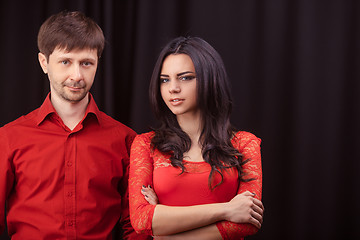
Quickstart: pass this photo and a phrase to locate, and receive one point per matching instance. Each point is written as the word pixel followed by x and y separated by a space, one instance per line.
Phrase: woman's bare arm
pixel 167 220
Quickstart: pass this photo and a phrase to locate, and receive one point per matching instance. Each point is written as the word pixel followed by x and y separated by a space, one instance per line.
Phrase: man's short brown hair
pixel 69 31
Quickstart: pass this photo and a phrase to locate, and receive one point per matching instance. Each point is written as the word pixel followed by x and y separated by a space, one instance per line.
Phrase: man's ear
pixel 43 62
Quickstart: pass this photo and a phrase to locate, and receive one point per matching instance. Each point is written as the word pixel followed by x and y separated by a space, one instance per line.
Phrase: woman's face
pixel 178 84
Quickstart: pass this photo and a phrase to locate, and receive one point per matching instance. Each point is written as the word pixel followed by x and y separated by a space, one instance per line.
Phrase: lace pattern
pixel 249 146
pixel 141 172
pixel 144 160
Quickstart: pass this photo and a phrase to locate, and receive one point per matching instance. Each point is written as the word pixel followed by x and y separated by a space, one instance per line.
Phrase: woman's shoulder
pixel 143 138
pixel 242 138
pixel 245 134
pixel 146 135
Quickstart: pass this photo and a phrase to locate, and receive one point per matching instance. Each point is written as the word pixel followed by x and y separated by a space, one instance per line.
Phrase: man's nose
pixel 76 73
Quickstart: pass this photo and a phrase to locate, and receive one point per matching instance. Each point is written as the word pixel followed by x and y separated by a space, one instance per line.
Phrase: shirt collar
pixel 47 109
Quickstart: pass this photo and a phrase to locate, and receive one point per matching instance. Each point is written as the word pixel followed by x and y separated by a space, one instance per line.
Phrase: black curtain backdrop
pixel 294 67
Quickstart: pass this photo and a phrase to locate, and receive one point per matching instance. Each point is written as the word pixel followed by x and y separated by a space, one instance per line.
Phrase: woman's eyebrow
pixel 182 73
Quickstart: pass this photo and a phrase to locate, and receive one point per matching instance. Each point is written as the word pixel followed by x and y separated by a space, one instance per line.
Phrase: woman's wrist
pixel 221 211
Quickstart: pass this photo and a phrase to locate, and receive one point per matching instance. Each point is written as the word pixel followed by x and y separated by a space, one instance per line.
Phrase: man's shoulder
pixel 24 120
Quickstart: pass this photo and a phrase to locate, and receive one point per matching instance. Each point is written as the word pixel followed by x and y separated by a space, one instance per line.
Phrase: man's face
pixel 71 74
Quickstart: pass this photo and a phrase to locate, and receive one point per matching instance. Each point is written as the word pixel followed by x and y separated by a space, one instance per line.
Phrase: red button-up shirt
pixel 63 184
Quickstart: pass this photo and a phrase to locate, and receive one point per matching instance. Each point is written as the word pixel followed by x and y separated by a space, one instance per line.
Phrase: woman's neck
pixel 191 125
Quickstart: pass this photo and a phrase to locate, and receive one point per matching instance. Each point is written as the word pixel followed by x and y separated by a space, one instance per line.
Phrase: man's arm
pixel 6 175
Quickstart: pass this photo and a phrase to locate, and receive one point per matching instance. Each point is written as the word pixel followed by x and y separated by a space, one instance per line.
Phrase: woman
pixel 194 177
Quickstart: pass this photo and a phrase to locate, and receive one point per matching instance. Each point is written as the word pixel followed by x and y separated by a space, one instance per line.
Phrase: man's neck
pixel 71 113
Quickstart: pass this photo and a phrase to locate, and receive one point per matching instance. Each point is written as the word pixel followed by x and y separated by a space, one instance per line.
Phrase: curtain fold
pixel 294 67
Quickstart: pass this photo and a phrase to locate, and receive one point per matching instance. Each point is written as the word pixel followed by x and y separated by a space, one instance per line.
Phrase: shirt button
pixel 69 194
pixel 69 163
pixel 70 223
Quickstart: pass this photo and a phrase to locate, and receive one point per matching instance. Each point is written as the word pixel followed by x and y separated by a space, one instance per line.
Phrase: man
pixel 64 166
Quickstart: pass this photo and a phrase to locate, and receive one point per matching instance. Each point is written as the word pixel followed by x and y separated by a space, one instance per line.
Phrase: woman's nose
pixel 174 87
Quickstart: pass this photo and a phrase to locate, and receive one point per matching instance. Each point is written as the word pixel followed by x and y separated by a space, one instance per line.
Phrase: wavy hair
pixel 214 102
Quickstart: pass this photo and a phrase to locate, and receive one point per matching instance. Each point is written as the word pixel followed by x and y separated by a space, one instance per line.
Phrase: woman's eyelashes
pixel 180 78
pixel 187 78
pixel 164 80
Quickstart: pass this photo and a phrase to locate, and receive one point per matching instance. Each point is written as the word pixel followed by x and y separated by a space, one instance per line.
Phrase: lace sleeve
pixel 127 229
pixel 141 173
pixel 249 146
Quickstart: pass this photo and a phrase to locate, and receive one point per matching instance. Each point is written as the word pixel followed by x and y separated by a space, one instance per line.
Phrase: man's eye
pixel 65 62
pixel 87 63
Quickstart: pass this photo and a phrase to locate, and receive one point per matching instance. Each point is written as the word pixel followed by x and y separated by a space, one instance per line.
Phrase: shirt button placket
pixel 69 186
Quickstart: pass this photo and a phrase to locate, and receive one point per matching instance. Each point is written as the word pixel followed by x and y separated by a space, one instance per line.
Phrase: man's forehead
pixel 77 52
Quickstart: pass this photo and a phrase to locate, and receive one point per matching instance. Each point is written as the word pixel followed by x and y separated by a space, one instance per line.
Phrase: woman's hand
pixel 150 195
pixel 244 208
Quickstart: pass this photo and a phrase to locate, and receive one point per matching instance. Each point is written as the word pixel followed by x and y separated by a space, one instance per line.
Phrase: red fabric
pixel 151 167
pixel 63 184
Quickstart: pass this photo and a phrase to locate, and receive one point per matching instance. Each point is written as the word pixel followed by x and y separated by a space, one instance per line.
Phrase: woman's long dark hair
pixel 214 102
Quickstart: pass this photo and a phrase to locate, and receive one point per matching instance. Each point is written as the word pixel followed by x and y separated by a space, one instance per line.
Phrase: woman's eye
pixel 187 78
pixel 164 80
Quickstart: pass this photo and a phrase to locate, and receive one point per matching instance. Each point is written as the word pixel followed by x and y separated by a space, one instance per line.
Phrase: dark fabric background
pixel 294 67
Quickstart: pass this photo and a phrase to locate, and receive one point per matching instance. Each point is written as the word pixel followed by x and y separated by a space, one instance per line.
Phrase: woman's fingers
pixel 257 216
pixel 258 207
pixel 253 220
pixel 258 203
pixel 257 213
pixel 245 208
pixel 150 200
pixel 248 193
pixel 150 195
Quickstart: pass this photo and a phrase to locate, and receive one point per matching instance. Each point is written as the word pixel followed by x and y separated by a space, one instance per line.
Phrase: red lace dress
pixel 151 167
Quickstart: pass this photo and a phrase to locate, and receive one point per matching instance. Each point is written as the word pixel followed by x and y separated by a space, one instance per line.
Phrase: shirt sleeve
pixel 127 229
pixel 249 146
pixel 141 173
pixel 6 175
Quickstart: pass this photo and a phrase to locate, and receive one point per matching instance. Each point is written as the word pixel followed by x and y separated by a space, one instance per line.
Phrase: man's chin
pixel 75 98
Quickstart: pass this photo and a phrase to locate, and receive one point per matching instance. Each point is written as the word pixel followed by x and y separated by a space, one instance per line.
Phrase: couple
pixel 64 168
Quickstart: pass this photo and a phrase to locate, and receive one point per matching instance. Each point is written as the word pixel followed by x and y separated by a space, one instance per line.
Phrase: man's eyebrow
pixel 88 59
